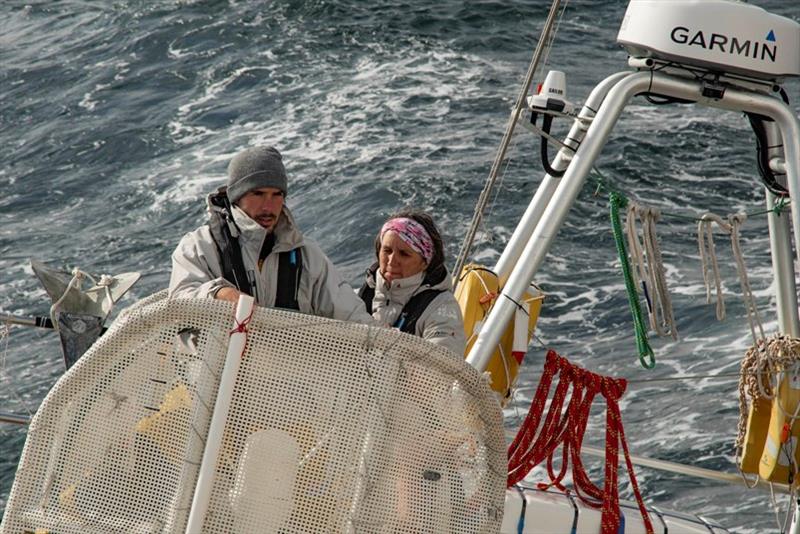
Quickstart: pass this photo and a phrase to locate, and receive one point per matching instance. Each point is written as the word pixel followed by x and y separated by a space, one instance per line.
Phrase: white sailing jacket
pixel 197 270
pixel 440 322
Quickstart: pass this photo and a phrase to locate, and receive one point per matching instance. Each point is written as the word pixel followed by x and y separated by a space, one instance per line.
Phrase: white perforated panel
pixel 333 427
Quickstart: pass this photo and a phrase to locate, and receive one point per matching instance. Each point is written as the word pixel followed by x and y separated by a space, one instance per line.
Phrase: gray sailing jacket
pixel 197 271
pixel 440 323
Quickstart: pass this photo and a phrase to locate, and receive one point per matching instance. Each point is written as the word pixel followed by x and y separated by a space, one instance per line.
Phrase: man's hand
pixel 228 293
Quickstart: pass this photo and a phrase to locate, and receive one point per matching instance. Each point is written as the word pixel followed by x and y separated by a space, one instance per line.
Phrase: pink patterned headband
pixel 413 234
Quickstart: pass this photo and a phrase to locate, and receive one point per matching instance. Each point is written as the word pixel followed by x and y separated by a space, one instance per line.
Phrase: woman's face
pixel 398 260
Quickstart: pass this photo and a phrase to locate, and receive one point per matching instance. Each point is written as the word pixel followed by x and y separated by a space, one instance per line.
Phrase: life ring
pixel 476 293
pixel 779 458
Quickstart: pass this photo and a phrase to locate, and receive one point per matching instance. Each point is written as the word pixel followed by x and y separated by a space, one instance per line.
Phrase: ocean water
pixel 116 118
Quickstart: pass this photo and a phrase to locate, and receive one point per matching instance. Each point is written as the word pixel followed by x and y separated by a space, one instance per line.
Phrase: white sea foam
pixel 372 112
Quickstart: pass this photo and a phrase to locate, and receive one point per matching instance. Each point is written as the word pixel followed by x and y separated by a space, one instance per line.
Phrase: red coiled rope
pixel 529 449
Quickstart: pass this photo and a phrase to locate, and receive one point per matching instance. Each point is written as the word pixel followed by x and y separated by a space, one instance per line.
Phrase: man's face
pixel 263 205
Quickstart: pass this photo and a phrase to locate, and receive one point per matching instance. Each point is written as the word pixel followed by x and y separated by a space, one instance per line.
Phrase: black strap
pixel 407 321
pixel 230 254
pixel 290 263
pixel 762 154
pixel 367 292
pixel 266 248
pixel 411 312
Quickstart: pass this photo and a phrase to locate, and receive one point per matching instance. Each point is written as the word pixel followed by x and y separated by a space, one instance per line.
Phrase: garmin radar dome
pixel 721 36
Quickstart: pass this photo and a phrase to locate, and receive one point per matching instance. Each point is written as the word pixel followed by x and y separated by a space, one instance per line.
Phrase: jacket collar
pixel 401 290
pixel 287 236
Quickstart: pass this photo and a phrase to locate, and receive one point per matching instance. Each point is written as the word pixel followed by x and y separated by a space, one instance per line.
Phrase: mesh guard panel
pixel 333 427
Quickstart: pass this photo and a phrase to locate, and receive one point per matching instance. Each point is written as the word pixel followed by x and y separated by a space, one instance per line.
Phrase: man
pixel 252 245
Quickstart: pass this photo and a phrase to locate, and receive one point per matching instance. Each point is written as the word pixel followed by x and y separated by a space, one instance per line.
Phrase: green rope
pixel 780 205
pixel 646 356
pixel 617 201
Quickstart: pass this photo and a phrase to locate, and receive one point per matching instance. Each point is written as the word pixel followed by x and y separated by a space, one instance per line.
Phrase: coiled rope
pixel 708 260
pixel 649 263
pixel 567 430
pixel 762 362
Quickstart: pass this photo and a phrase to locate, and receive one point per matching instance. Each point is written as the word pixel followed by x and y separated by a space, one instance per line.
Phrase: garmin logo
pixel 728 45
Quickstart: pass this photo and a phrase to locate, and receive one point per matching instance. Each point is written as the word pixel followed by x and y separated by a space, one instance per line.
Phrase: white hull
pixel 532 511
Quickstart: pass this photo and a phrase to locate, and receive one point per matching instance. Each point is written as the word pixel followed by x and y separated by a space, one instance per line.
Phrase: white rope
pixel 649 264
pixel 658 278
pixel 753 318
pixel 708 256
pixel 745 480
pixel 106 282
pixel 5 335
pixel 76 282
pixel 775 508
pixel 791 499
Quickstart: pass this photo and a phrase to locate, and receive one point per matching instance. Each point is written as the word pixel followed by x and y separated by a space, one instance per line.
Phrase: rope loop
pixel 614 388
pixel 617 200
pixel 75 283
pixel 708 260
pixel 759 373
pixel 646 256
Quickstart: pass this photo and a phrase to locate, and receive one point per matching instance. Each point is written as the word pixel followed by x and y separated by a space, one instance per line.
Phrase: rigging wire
pixel 726 376
pixel 553 34
pixel 477 217
pixel 5 334
pixel 484 227
pixel 602 186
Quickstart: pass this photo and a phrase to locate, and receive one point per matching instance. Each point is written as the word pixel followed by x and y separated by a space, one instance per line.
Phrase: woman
pixel 408 287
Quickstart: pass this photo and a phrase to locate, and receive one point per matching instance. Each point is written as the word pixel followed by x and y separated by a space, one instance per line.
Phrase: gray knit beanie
pixel 254 168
